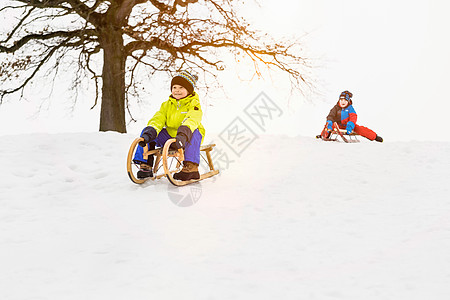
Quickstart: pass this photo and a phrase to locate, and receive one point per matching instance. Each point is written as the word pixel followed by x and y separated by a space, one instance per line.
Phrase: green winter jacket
pixel 174 113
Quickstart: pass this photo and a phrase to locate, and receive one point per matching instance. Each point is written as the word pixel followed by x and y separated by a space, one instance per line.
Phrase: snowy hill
pixel 292 218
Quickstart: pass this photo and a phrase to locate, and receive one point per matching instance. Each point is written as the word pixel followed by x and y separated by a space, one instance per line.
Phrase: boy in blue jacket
pixel 345 116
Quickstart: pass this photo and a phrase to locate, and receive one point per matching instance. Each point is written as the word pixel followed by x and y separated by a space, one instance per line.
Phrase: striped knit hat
pixel 186 80
pixel 346 95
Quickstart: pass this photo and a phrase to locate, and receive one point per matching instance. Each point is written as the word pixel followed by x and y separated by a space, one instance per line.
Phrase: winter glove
pixel 184 135
pixel 148 134
pixel 350 127
pixel 180 142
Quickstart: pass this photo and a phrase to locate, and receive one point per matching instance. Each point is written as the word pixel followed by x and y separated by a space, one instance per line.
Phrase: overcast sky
pixel 393 55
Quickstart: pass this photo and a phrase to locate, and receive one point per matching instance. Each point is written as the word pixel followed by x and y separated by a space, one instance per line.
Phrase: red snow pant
pixel 363 131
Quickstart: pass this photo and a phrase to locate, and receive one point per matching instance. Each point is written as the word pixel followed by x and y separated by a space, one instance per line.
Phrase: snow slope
pixel 292 218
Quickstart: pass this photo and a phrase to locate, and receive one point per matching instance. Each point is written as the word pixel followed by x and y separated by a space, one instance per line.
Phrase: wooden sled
pixel 167 162
pixel 337 132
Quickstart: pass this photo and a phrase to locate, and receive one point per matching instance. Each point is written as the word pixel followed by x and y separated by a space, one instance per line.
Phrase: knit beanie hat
pixel 346 95
pixel 186 80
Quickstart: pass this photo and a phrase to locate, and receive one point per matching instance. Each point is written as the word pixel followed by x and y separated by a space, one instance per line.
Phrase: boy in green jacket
pixel 179 117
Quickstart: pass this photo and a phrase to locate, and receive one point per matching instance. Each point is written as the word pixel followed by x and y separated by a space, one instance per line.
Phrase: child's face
pixel 343 102
pixel 179 92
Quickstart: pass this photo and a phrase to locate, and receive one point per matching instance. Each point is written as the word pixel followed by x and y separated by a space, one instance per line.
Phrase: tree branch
pixel 148 45
pixel 18 25
pixel 86 12
pixel 44 3
pixel 35 36
pixel 29 78
pixel 160 6
pixel 125 9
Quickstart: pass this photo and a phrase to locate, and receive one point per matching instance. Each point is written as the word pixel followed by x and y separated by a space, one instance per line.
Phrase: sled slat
pixel 207 147
pixel 202 176
pixel 173 152
pixel 344 132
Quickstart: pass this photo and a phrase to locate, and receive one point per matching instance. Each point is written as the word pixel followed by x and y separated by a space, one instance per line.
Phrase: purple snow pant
pixel 191 151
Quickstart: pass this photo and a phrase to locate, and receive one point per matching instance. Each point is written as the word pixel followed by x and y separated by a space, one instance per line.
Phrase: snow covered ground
pixel 292 218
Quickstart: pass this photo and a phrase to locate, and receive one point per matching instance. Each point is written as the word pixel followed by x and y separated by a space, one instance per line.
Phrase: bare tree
pixel 158 35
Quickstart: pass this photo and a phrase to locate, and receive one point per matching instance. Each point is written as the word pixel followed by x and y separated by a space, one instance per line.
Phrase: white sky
pixel 393 56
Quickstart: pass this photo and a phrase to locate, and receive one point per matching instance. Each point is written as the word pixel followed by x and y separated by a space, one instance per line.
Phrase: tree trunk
pixel 112 114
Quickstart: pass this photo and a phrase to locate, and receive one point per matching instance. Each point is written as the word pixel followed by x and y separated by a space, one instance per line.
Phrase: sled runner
pixel 167 162
pixel 337 132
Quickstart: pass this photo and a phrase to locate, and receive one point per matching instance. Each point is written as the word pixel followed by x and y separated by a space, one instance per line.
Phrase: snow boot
pixel 145 171
pixel 379 139
pixel 325 133
pixel 189 171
